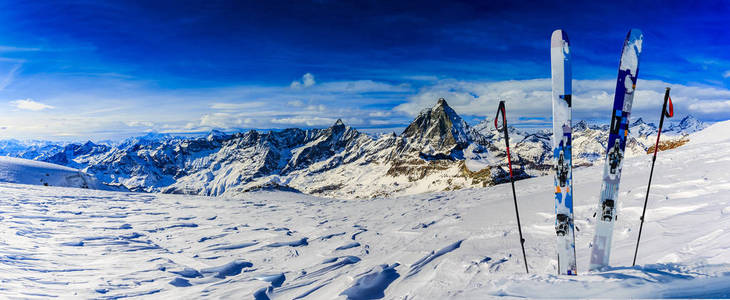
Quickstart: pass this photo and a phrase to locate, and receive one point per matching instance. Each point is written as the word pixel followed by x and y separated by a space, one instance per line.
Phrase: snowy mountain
pixel 72 151
pixel 437 151
pixel 445 245
pixel 35 150
pixel 436 133
pixel 687 125
pixel 641 129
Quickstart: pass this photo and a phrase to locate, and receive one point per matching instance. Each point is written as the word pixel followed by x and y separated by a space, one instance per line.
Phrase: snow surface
pixel 18 170
pixel 718 132
pixel 462 244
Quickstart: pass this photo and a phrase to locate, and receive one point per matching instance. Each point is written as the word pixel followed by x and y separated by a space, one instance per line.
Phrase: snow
pixel 18 170
pixel 84 243
pixel 717 132
pixel 630 56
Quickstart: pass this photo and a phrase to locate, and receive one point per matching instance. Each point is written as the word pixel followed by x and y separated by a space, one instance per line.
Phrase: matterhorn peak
pixel 442 105
pixel 438 129
pixel 338 126
pixel 581 125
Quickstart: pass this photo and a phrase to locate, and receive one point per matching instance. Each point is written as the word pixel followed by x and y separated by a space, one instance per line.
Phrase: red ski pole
pixel 511 179
pixel 668 113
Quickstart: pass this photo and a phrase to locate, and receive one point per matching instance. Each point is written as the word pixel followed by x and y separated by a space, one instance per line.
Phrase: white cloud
pixel 592 99
pixel 29 104
pixel 306 81
pixel 421 78
pixel 140 124
pixel 107 113
pixel 711 107
pixel 308 121
pixel 319 108
pixel 236 106
pixel 382 122
pixel 17 49
pixel 380 114
pixel 362 86
pixel 295 103
pixel 110 114
pixel 220 120
pixel 10 77
pixel 726 74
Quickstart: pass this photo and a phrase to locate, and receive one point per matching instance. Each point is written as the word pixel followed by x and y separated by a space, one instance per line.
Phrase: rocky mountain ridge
pixel 437 151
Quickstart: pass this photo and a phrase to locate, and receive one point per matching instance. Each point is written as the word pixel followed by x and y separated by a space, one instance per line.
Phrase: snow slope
pixel 18 170
pixel 715 133
pixel 460 244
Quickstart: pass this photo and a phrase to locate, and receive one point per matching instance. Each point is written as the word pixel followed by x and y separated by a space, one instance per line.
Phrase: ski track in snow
pixel 83 243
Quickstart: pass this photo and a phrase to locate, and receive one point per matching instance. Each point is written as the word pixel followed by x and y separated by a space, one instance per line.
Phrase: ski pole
pixel 668 113
pixel 509 161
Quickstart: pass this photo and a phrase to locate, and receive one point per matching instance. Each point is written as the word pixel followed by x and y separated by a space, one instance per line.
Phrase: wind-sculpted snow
pixel 348 246
pixel 372 285
pixel 81 243
pixel 418 265
pixel 296 243
pixel 230 269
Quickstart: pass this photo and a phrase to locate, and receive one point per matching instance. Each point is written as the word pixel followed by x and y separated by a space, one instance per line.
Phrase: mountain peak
pixel 638 121
pixel 216 135
pixel 339 123
pixel 687 125
pixel 581 125
pixel 438 129
pixel 688 120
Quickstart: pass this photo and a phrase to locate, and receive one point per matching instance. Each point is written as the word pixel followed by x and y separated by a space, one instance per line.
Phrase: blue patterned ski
pixel 625 86
pixel 562 158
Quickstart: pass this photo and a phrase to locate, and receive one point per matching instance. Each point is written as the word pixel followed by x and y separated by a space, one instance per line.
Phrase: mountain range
pixel 437 151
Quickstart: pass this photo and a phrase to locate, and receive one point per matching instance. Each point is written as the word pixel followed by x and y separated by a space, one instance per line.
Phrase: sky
pixel 111 69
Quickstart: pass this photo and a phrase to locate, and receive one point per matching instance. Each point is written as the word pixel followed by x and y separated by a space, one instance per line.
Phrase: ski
pixel 625 85
pixel 562 158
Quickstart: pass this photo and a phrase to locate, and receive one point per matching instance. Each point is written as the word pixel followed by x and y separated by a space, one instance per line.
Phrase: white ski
pixel 562 158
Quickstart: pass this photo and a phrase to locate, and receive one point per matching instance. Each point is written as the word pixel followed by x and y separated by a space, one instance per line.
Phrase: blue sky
pixel 89 69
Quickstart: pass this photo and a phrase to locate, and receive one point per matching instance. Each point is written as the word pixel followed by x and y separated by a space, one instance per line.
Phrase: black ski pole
pixel 668 114
pixel 509 161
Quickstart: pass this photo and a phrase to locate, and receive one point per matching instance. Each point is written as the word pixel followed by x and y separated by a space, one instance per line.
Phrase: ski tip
pixel 635 34
pixel 557 37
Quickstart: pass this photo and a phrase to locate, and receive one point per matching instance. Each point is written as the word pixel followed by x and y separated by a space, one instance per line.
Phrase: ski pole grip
pixel 668 100
pixel 504 118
